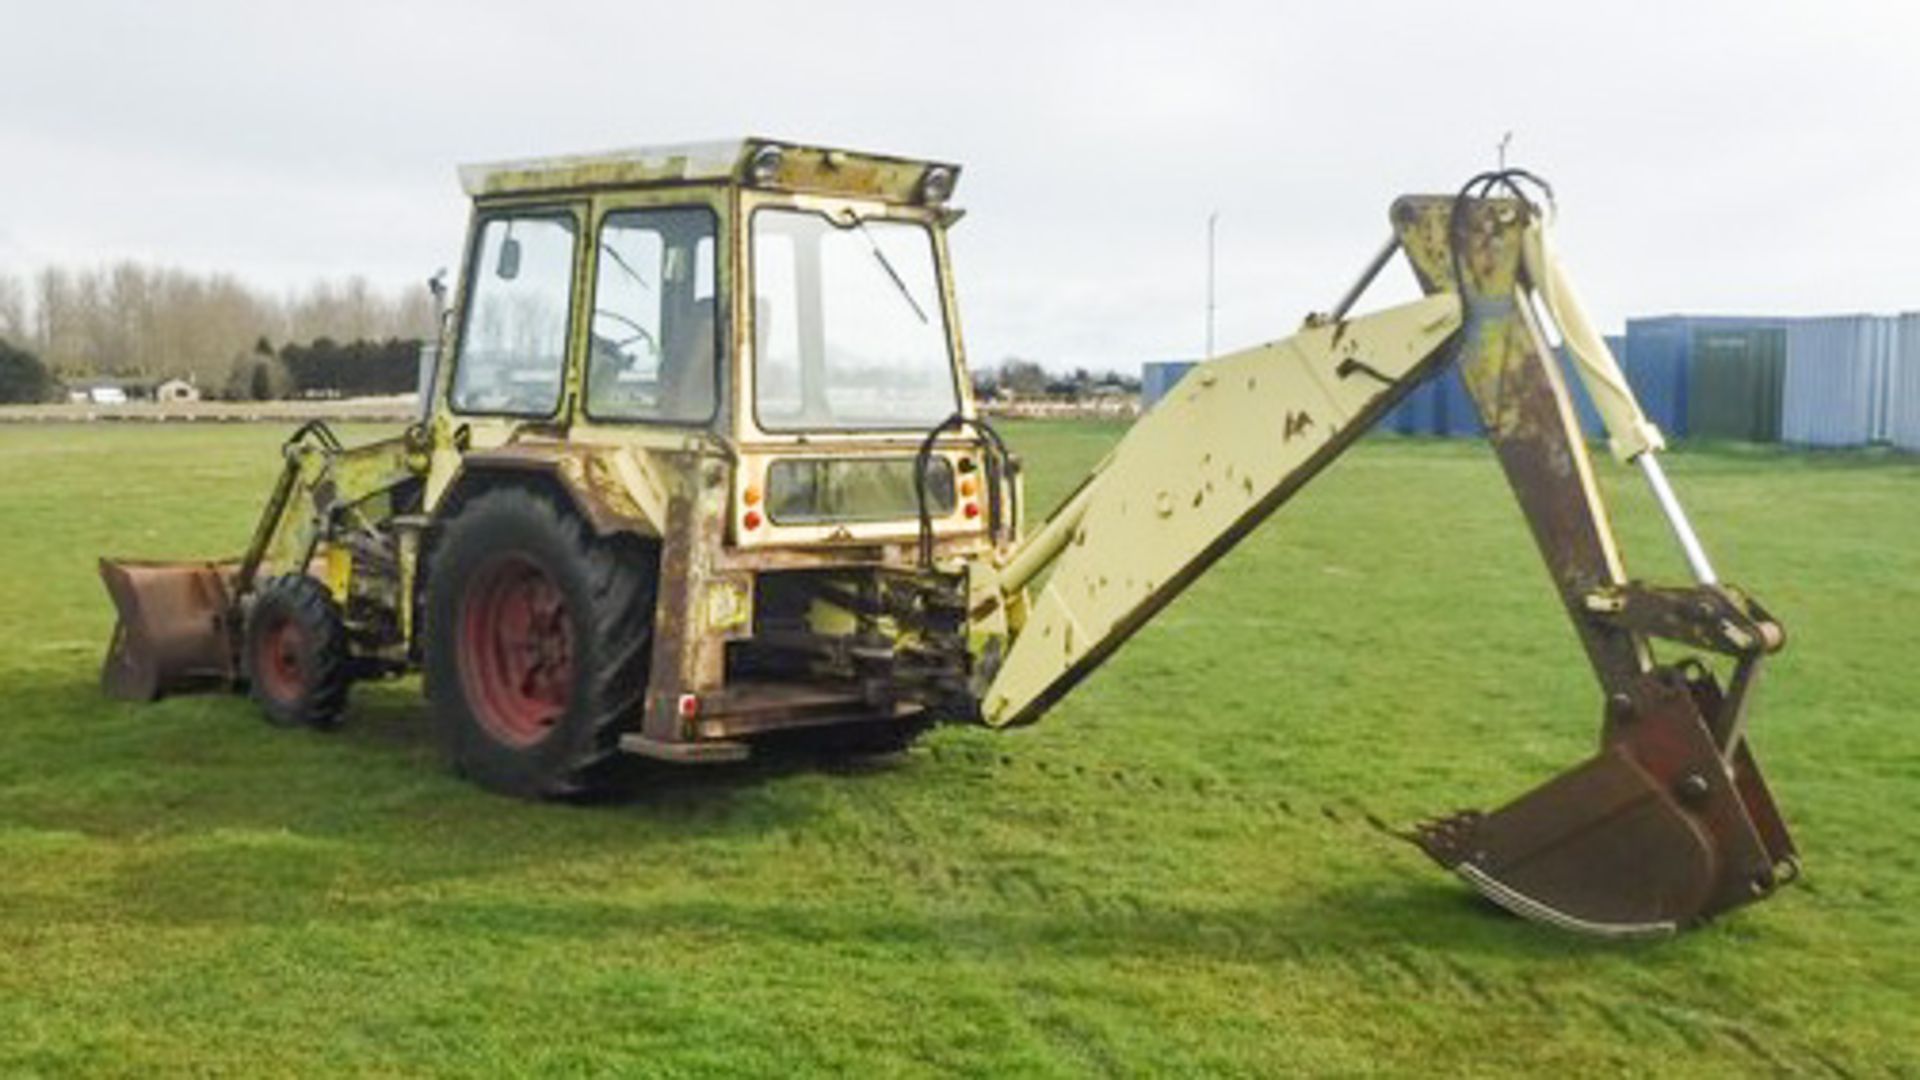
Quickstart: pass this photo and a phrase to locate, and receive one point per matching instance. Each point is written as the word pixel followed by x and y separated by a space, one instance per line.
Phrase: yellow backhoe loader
pixel 700 465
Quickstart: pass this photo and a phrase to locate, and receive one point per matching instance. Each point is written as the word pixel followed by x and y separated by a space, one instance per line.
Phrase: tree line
pixel 1019 378
pixel 134 321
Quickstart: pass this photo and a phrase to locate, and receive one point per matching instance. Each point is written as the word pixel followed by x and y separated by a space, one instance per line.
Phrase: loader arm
pixel 180 623
pixel 1670 822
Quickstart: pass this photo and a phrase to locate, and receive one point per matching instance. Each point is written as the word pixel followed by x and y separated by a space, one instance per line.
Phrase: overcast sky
pixel 1712 158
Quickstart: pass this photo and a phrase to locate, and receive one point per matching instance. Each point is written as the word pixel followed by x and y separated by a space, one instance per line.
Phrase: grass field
pixel 1174 873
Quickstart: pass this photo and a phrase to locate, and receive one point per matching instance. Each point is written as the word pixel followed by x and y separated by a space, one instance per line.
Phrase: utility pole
pixel 1212 219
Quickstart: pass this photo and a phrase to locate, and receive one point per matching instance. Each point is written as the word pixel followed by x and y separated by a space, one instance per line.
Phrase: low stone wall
pixel 371 410
pixel 1105 409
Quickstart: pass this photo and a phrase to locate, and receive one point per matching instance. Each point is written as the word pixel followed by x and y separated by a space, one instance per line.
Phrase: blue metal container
pixel 1839 380
pixel 1158 377
pixel 1590 423
pixel 1659 361
pixel 1903 387
pixel 1656 368
pixel 1455 414
pixel 1418 413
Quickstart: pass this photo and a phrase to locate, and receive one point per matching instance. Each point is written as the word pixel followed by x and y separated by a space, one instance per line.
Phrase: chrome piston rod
pixel 1677 518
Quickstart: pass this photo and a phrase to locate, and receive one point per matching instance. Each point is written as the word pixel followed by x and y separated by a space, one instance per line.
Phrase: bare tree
pixel 134 319
pixel 14 326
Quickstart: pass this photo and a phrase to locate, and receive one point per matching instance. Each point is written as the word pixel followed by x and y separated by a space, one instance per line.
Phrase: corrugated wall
pixel 1849 380
pixel 1840 373
pixel 1903 404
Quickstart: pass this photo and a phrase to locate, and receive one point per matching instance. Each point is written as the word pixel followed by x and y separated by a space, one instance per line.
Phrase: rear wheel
pixel 537 642
pixel 295 654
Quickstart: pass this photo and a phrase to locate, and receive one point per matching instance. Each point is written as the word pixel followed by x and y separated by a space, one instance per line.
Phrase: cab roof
pixel 752 162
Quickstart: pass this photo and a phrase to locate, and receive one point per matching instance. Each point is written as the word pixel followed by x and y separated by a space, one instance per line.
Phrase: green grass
pixel 1174 873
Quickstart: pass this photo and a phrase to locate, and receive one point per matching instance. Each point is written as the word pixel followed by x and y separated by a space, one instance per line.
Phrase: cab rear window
pixel 810 491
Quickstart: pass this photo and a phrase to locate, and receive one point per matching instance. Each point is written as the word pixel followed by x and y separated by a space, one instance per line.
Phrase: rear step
pixel 747 709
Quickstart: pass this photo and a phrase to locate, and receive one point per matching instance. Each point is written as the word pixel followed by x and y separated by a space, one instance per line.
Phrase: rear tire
pixel 295 656
pixel 538 636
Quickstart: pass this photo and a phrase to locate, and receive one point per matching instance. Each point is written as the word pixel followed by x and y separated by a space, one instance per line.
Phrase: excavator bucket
pixel 176 629
pixel 1655 833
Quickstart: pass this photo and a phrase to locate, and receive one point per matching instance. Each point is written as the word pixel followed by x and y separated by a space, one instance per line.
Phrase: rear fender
pixel 678 499
pixel 615 490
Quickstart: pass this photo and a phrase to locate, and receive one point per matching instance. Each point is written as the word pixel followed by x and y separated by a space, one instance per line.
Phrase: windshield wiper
pixel 608 250
pixel 905 293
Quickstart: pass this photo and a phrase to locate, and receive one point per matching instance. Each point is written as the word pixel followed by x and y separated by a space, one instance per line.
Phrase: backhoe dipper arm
pixel 1670 822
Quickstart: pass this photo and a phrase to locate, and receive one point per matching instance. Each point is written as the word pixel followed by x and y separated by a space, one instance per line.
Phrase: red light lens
pixel 689 706
pixel 752 520
pixel 973 510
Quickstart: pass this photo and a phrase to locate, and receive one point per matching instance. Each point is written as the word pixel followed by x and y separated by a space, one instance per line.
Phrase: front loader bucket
pixel 175 631
pixel 1657 832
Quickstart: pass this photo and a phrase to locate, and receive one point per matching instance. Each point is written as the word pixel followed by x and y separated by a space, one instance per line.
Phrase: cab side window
pixel 513 344
pixel 653 352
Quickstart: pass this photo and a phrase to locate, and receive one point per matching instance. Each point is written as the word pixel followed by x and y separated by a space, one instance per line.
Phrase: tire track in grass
pixel 1699 1030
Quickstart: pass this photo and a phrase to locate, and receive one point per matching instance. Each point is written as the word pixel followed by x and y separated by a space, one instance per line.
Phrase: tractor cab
pixel 787 307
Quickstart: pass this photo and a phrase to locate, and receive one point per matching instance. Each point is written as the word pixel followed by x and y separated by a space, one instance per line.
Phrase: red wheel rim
pixel 277 658
pixel 516 650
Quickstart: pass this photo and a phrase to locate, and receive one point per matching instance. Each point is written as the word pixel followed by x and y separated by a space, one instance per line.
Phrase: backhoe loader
pixel 700 466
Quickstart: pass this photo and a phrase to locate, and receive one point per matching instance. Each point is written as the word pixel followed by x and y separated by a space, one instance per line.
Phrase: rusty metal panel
pixel 617 489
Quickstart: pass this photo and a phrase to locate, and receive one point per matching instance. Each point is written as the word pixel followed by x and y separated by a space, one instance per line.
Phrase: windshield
pixel 849 330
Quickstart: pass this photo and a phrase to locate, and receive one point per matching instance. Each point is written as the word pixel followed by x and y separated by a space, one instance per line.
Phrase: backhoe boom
pixel 1227 448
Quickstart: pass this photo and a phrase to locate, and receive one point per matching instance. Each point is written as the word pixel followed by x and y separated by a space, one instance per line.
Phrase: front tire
pixel 538 636
pixel 295 655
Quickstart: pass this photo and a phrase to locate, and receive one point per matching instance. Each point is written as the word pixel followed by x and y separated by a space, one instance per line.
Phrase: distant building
pixel 176 389
pixel 1158 377
pixel 103 391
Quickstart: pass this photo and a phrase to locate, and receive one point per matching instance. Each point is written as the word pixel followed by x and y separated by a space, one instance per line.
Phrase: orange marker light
pixel 752 495
pixel 752 520
pixel 967 487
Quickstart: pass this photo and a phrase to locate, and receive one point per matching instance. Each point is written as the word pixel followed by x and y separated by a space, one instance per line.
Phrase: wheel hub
pixel 516 649
pixel 277 664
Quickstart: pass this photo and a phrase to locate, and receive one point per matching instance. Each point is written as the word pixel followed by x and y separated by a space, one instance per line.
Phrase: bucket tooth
pixel 175 628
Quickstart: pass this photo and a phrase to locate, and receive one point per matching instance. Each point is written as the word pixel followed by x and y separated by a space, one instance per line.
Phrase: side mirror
pixel 507 267
pixel 429 374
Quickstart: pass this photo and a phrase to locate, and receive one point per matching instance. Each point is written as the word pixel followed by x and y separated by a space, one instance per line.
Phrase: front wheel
pixel 295 654
pixel 537 642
